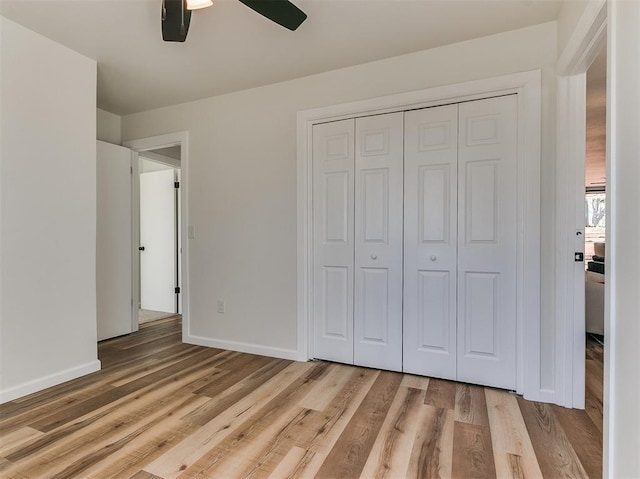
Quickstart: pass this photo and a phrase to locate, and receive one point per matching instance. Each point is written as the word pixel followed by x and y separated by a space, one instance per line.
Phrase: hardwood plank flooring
pixel 160 409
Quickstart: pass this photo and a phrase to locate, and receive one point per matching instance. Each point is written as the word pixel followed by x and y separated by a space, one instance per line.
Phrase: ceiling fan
pixel 176 15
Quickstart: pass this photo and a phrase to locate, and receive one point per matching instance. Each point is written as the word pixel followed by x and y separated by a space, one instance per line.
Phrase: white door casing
pixel 114 266
pixel 430 241
pixel 487 229
pixel 157 236
pixel 378 241
pixel 333 236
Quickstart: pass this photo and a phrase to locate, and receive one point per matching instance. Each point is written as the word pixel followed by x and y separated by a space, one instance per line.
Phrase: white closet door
pixel 378 242
pixel 333 204
pixel 430 241
pixel 487 224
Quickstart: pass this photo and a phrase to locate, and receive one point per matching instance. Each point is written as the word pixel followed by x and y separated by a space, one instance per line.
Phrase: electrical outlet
pixel 220 306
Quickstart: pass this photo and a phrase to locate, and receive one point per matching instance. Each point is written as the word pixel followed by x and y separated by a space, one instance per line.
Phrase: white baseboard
pixel 280 353
pixel 45 382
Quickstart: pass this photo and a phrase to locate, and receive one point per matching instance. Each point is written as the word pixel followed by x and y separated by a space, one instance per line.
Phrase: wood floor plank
pixel 315 431
pixel 309 426
pixel 441 393
pixel 144 475
pixel 236 392
pixel 148 414
pixel 328 386
pixel 473 454
pixel 512 449
pixel 594 393
pixel 391 453
pixel 584 436
pixel 556 456
pixel 278 414
pixel 10 441
pixel 195 446
pixel 320 430
pixel 70 451
pixel 471 405
pixel 298 463
pixel 432 452
pixel 416 382
pixel 238 366
pixel 348 456
pixel 68 414
pixel 146 443
pixel 99 422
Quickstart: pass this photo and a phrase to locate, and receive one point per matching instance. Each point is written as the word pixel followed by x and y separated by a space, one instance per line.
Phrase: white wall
pixel 622 303
pixel 109 127
pixel 242 178
pixel 48 213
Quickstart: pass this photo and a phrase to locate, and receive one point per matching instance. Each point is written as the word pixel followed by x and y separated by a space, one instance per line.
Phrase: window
pixel 595 216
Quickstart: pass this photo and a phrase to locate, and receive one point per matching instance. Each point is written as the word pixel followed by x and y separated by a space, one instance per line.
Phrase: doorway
pixel 168 152
pixel 160 238
pixel 594 237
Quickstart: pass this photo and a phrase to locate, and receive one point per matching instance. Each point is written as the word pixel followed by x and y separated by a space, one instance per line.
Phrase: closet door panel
pixel 430 229
pixel 378 242
pixel 333 169
pixel 487 242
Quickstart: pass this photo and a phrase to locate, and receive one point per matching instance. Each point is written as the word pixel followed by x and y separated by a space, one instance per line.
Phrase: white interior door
pixel 487 226
pixel 333 230
pixel 378 242
pixel 158 238
pixel 430 241
pixel 114 267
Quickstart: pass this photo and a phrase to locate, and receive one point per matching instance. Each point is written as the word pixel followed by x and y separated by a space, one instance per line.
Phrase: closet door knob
pixel 374 256
pixel 433 257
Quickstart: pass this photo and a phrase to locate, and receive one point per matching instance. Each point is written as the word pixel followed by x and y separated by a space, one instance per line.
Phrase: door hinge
pixel 131 169
pixel 177 289
pixel 176 184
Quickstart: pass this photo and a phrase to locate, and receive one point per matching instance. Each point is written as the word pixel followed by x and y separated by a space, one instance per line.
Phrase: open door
pixel 158 241
pixel 114 265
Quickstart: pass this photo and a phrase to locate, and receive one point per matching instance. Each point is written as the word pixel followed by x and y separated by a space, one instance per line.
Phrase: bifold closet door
pixel 487 235
pixel 378 242
pixel 430 241
pixel 333 231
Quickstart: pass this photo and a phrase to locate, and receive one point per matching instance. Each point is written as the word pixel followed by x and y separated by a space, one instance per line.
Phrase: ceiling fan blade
pixel 283 12
pixel 175 20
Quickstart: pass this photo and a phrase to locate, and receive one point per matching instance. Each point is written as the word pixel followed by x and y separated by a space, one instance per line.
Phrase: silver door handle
pixel 374 256
pixel 433 257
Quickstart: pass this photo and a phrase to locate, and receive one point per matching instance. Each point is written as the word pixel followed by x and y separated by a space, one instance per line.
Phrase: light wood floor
pixel 162 409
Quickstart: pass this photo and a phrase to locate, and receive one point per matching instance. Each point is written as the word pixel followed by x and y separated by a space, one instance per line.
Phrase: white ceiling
pixel 231 48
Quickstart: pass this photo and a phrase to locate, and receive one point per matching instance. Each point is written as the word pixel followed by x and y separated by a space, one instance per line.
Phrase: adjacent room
pixel 319 238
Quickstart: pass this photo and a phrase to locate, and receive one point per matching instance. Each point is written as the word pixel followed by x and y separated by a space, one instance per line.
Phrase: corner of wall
pixel 109 127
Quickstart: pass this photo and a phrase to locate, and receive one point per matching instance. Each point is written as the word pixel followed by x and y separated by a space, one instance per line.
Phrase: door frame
pixel 528 87
pixel 181 139
pixel 582 48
